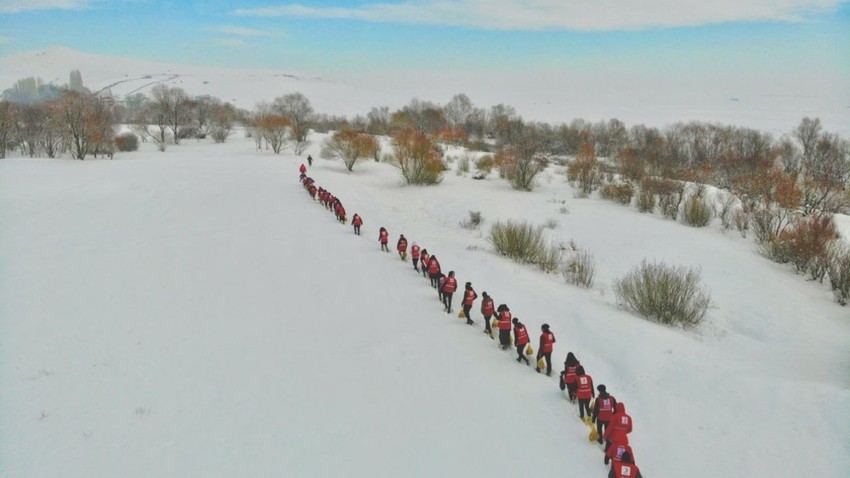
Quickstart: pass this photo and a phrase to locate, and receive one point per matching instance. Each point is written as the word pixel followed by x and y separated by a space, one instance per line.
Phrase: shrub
pixel 618 192
pixel 665 294
pixel 580 268
pixel 696 212
pixel 806 244
pixel 742 222
pixel 350 146
pixel 724 208
pixel 127 142
pixel 485 164
pixel 473 221
pixel 520 166
pixel 839 272
pixel 586 171
pixel 525 243
pixel 645 201
pixel 463 164
pixel 669 192
pixel 417 157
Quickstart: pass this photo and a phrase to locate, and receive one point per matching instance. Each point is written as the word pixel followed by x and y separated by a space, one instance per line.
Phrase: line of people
pixel 609 422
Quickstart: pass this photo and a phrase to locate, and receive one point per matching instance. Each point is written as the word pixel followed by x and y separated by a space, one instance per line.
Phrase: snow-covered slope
pixel 193 313
pixel 555 97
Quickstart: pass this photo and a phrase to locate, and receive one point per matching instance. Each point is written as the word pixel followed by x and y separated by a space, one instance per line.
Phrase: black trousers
pixel 434 280
pixel 571 390
pixel 357 230
pixel 467 309
pixel 416 263
pixel 384 247
pixel 487 323
pixel 505 337
pixel 447 300
pixel 520 353
pixel 583 404
pixel 600 428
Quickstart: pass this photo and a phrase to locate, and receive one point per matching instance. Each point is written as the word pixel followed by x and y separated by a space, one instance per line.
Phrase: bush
pixel 127 142
pixel 586 171
pixel 665 294
pixel 724 209
pixel 618 192
pixel 473 221
pixel 696 213
pixel 645 201
pixel 524 243
pixel 580 268
pixel 485 164
pixel 806 244
pixel 839 272
pixel 463 164
pixel 417 157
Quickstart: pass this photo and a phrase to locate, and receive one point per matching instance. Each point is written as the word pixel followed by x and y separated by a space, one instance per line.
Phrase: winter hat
pixel 545 327
pixel 485 294
pixel 515 321
pixel 469 284
pixel 601 388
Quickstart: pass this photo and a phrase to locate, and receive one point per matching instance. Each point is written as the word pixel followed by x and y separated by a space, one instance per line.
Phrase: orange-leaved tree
pixel 350 146
pixel 417 157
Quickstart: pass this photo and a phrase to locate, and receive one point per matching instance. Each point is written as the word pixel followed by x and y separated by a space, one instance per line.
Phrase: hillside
pixel 193 313
pixel 556 98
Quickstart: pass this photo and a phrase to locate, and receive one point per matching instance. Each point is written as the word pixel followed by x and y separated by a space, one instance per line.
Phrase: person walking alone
pixel 356 221
pixel 521 340
pixel 547 342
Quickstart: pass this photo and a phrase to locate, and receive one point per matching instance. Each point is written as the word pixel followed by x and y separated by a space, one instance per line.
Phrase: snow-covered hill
pixel 193 313
pixel 556 98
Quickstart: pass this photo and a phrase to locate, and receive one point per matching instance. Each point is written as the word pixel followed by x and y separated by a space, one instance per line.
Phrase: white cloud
pixel 561 14
pixel 230 42
pixel 15 6
pixel 248 32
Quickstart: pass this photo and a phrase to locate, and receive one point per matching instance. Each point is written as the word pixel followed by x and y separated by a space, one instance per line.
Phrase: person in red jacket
pixel 303 169
pixel 434 270
pixel 469 297
pixel 568 376
pixel 401 247
pixel 356 221
pixel 616 450
pixel 384 238
pixel 487 310
pixel 449 287
pixel 441 279
pixel 521 340
pixel 414 256
pixel 625 469
pixel 504 326
pixel 584 391
pixel 547 343
pixel 619 426
pixel 340 212
pixel 603 408
pixel 424 260
pixel 312 191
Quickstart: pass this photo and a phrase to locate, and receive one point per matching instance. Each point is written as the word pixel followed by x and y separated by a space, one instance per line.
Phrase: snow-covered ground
pixel 556 97
pixel 193 313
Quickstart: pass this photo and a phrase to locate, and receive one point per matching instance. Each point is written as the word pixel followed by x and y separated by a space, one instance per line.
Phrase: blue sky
pixel 758 39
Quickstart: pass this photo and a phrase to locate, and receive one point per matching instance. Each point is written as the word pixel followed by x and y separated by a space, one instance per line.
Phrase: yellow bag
pixel 529 350
pixel 541 364
pixel 592 404
pixel 511 339
pixel 461 315
pixel 588 421
pixel 494 324
pixel 594 435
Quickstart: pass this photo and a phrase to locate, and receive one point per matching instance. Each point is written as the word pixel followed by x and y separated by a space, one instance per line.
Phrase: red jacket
pixel 440 283
pixel 414 252
pixel 340 211
pixel 433 265
pixel 604 408
pixel 584 389
pixel 303 169
pixel 450 285
pixel 625 470
pixel 616 450
pixel 505 320
pixel 547 340
pixel 487 308
pixel 521 335
pixel 356 221
pixel 619 426
pixel 570 374
pixel 384 237
pixel 402 245
pixel 425 259
pixel 469 296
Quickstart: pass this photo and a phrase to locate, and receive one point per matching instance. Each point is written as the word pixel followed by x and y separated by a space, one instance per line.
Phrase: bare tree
pixel 222 117
pixel 807 133
pixel 378 120
pixel 7 125
pixel 826 174
pixel 85 118
pixel 174 105
pixel 458 110
pixel 297 108
pixel 274 128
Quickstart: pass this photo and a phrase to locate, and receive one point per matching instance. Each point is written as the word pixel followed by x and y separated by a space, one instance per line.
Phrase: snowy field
pixel 557 97
pixel 194 313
